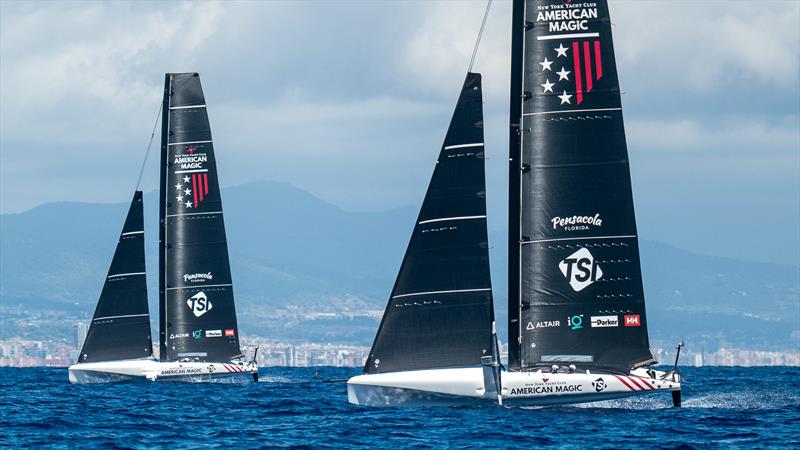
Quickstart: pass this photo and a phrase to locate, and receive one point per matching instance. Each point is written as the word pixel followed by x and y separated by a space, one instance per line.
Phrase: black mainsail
pixel 574 275
pixel 198 319
pixel 120 328
pixel 440 311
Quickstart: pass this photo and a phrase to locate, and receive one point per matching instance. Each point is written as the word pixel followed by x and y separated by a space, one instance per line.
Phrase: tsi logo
pixel 199 304
pixel 599 384
pixel 580 269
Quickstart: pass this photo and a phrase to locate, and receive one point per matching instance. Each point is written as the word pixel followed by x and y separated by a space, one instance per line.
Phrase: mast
pixel 581 299
pixel 514 167
pixel 440 311
pixel 198 316
pixel 120 327
pixel 162 221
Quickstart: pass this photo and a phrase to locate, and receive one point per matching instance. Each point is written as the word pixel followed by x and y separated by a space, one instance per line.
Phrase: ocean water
pixel 289 407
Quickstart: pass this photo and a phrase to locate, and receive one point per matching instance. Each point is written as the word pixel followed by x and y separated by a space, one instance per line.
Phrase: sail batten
pixel 198 317
pixel 439 313
pixel 120 327
pixel 575 283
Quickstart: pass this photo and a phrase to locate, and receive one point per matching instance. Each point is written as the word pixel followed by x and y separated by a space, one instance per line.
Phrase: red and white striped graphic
pixel 588 66
pixel 233 368
pixel 635 383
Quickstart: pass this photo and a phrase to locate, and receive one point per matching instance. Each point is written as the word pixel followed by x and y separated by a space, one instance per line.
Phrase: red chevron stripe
pixel 634 381
pixel 642 381
pixel 624 382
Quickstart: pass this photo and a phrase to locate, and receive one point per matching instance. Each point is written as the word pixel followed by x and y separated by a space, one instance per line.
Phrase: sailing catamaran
pixel 198 335
pixel 577 324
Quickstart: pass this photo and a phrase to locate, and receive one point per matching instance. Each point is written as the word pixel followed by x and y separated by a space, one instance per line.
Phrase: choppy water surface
pixel 732 407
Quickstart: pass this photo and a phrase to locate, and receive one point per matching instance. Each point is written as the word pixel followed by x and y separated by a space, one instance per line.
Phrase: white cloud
pixel 756 137
pixel 97 60
pixel 436 54
pixel 708 45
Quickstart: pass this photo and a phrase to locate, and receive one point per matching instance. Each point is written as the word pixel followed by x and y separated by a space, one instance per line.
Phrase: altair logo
pixel 199 304
pixel 580 269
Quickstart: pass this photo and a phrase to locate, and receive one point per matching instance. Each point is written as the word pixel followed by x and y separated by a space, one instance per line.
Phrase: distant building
pixel 81 330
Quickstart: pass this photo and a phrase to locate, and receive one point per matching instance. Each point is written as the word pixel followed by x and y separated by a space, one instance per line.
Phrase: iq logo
pixel 199 304
pixel 575 322
pixel 580 269
pixel 197 334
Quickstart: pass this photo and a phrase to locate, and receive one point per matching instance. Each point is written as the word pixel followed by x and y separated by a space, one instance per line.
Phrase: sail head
pixel 440 311
pixel 120 327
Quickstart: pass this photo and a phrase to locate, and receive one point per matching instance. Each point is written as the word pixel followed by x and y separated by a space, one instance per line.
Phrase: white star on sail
pixel 188 204
pixel 186 179
pixel 565 98
pixel 179 198
pixel 188 191
pixel 564 74
pixel 548 86
pixel 562 51
pixel 178 187
pixel 546 64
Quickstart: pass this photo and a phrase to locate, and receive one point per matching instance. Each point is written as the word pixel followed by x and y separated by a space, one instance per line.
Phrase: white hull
pixel 473 385
pixel 149 369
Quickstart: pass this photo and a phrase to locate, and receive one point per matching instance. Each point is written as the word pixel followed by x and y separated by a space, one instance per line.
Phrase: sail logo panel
pixel 574 57
pixel 191 170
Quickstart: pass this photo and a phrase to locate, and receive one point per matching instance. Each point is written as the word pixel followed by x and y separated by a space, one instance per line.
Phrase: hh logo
pixel 632 320
pixel 199 304
pixel 580 269
pixel 230 332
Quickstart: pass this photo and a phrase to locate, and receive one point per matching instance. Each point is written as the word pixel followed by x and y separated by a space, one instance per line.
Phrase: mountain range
pixel 306 270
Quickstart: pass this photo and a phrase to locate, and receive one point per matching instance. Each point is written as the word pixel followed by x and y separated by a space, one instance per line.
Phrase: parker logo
pixel 213 333
pixel 197 277
pixel 199 304
pixel 580 269
pixel 632 320
pixel 604 321
pixel 577 223
pixel 230 332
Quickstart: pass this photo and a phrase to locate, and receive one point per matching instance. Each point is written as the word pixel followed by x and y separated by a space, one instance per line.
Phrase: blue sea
pixel 290 407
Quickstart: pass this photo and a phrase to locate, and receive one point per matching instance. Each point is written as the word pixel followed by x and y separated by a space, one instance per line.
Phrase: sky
pixel 351 100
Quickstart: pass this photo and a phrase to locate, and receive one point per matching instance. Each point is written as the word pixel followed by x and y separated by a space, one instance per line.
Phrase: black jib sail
pixel 198 319
pixel 440 311
pixel 120 328
pixel 574 273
